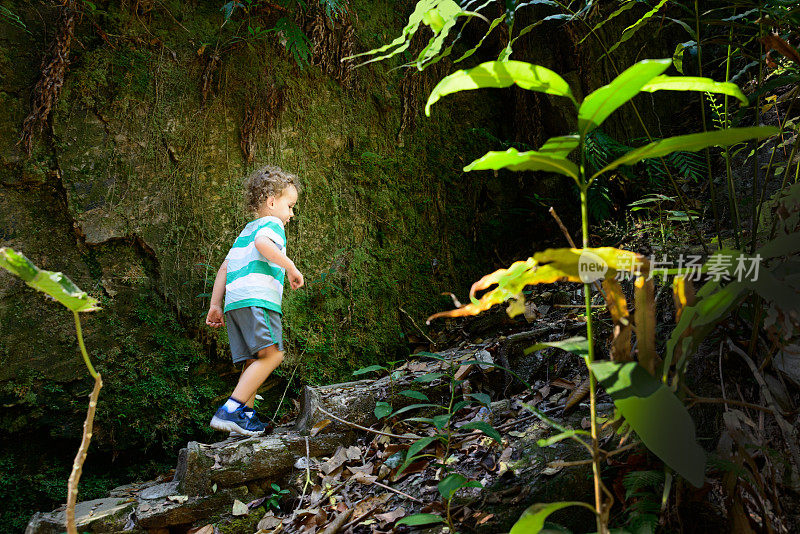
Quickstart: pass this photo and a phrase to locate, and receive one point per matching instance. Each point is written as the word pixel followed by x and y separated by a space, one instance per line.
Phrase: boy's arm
pixel 270 251
pixel 215 317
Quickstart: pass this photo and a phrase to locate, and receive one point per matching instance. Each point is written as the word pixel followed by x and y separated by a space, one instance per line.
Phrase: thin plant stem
pixel 711 185
pixel 727 154
pixel 587 290
pixel 767 173
pixel 83 450
pixel 753 210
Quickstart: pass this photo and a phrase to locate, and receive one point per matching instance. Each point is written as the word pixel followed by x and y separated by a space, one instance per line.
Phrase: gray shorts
pixel 252 329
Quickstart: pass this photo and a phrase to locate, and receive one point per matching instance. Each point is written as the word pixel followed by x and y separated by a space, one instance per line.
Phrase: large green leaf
pixel 561 146
pixel 52 283
pixel 532 520
pixel 659 418
pixel 693 83
pixel 604 101
pixel 501 74
pixel 689 143
pixel 524 161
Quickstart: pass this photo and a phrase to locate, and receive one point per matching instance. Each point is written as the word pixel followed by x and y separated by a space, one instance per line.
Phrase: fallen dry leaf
pixel 363 478
pixel 180 499
pixel 366 469
pixel 316 429
pixel 207 529
pixel 391 516
pixel 268 522
pixel 338 458
pixel 373 501
pixel 239 508
pixel 353 452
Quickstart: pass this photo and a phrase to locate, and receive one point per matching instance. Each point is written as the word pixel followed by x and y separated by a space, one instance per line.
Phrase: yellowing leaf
pixel 551 265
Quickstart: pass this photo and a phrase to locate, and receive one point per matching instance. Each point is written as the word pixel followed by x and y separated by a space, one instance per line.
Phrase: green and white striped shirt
pixel 251 279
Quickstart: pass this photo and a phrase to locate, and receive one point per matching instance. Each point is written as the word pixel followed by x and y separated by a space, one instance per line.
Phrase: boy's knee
pixel 272 353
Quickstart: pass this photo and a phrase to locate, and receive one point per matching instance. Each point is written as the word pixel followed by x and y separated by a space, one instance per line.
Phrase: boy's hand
pixel 215 317
pixel 295 278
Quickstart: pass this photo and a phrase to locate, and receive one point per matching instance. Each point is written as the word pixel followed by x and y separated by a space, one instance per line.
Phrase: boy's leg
pixel 251 402
pixel 256 373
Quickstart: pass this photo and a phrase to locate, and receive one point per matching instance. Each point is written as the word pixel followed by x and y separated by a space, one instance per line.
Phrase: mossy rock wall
pixel 134 190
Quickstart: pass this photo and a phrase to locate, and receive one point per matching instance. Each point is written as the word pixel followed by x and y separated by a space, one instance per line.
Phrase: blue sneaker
pixel 236 422
pixel 267 428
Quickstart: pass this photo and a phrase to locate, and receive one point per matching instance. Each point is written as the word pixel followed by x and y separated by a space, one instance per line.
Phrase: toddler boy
pixel 251 280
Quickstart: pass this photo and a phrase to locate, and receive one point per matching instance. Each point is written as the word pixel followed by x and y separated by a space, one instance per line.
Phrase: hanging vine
pixel 54 67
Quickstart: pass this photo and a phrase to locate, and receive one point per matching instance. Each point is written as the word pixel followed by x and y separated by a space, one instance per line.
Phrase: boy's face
pixel 281 206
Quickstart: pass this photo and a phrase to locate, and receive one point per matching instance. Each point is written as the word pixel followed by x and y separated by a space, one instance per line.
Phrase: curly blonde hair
pixel 269 181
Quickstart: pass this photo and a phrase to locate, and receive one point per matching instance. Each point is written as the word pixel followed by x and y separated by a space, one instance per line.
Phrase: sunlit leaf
pixel 501 74
pixel 532 520
pixel 569 434
pixel 524 161
pixel 659 418
pixel 690 143
pixel 560 146
pixel 401 43
pixel 604 101
pixel 692 83
pixel 551 265
pixel 51 283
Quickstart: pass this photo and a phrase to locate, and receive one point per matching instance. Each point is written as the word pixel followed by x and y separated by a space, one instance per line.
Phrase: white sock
pixel 232 405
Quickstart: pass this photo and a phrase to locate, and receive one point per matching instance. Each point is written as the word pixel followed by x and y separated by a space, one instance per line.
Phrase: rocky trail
pixel 344 465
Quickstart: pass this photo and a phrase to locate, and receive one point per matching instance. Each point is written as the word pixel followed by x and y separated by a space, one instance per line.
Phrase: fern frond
pixel 636 480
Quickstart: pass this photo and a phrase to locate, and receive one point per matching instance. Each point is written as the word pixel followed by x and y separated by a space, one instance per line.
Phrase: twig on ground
pixel 360 518
pixel 308 479
pixel 406 495
pixel 354 425
pixel 416 326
